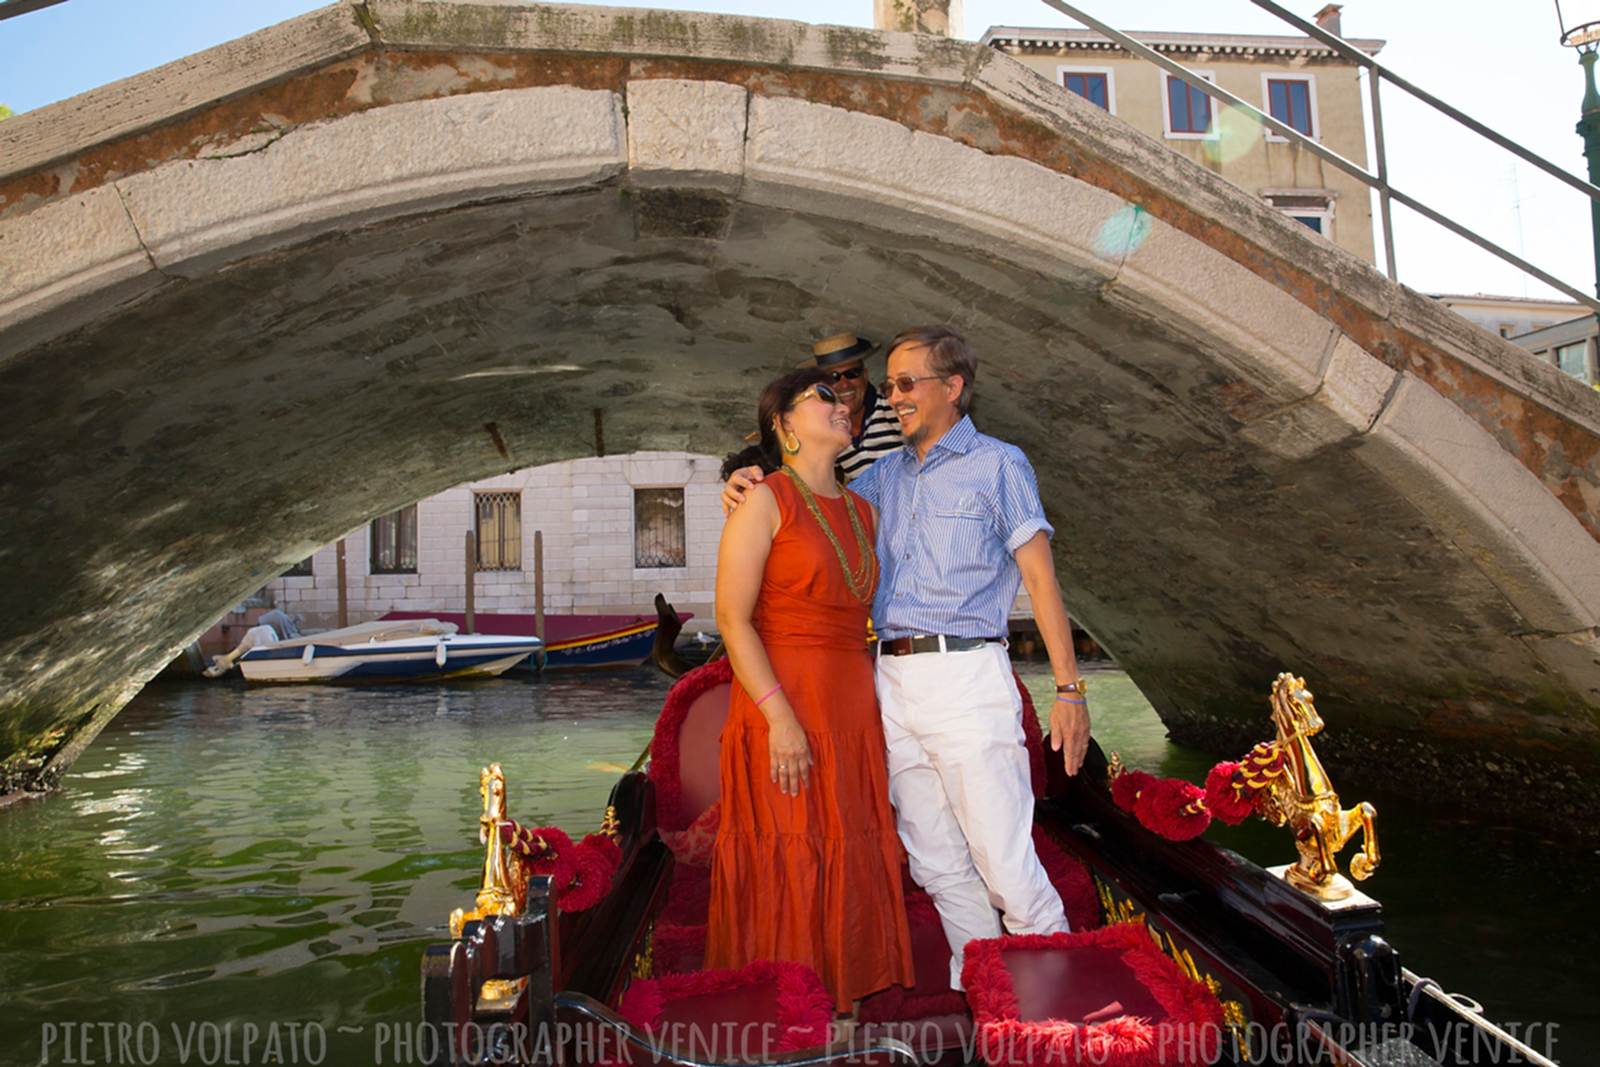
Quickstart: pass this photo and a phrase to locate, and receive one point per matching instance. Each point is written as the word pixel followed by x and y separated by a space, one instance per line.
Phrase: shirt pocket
pixel 966 507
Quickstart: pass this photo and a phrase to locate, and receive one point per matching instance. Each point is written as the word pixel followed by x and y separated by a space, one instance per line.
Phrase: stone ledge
pixel 425 155
pixel 686 133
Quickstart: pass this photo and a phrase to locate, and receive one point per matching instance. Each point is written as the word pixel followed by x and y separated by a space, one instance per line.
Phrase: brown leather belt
pixel 905 646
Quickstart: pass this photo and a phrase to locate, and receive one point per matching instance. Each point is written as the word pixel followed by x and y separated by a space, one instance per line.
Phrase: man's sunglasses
pixel 906 382
pixel 851 373
pixel 821 392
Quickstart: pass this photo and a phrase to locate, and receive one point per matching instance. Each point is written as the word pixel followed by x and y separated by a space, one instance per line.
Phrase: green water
pixel 225 858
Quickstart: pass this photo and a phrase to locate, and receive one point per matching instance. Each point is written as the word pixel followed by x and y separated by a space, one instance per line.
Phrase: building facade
pixel 1297 80
pixel 1510 316
pixel 1570 345
pixel 616 531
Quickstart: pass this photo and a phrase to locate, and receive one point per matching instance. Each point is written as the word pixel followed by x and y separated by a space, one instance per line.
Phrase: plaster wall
pixel 1243 152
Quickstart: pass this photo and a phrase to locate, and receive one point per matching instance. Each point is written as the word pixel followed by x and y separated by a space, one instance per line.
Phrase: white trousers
pixel 963 801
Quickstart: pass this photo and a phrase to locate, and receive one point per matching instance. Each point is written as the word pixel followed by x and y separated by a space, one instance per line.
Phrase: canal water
pixel 236 867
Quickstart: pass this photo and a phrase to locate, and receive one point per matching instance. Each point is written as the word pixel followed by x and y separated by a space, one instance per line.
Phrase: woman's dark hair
pixel 776 398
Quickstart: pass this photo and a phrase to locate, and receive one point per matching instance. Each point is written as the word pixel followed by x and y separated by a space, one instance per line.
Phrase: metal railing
pixel 1377 73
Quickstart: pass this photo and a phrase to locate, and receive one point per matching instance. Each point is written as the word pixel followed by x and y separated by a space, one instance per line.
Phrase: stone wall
pixel 584 508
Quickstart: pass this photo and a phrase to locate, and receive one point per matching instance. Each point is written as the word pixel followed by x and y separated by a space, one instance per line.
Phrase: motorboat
pixel 413 650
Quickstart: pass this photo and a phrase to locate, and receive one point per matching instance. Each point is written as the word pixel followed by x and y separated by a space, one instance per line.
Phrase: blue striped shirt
pixel 947 528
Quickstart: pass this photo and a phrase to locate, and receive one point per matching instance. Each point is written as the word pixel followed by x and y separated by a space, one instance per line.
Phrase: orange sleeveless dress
pixel 813 878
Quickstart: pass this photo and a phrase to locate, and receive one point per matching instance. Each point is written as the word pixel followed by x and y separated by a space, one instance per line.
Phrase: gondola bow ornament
pixel 1281 780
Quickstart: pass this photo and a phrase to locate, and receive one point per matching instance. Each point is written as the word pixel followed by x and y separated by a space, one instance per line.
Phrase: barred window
pixel 499 531
pixel 301 569
pixel 658 530
pixel 394 542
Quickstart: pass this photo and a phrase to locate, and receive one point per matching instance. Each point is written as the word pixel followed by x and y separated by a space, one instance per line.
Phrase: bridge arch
pixel 256 297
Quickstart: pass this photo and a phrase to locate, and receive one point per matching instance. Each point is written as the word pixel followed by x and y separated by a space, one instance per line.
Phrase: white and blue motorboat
pixel 422 650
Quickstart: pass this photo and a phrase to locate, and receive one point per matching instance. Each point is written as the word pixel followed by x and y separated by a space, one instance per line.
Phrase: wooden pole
pixel 472 560
pixel 538 595
pixel 344 596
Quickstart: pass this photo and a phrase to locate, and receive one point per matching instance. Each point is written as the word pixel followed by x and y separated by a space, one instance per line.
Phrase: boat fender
pixel 440 654
pixel 308 655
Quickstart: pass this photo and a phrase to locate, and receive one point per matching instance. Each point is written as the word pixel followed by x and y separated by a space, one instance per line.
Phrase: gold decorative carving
pixel 503 887
pixel 610 825
pixel 1304 800
pixel 644 960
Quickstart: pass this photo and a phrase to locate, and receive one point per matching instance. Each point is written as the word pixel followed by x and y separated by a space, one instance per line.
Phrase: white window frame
pixel 633 530
pixel 1266 103
pixel 1166 108
pixel 1111 82
pixel 1325 214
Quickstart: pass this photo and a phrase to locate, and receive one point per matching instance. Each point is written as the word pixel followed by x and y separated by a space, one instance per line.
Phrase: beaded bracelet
pixel 774 689
pixel 1065 700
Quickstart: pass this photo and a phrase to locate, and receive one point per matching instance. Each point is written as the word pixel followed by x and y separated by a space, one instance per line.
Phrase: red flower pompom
pixel 1224 798
pixel 593 880
pixel 557 859
pixel 1174 809
pixel 606 847
pixel 1126 787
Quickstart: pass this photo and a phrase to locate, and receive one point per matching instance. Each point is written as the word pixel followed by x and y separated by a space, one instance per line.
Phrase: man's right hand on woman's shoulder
pixel 737 485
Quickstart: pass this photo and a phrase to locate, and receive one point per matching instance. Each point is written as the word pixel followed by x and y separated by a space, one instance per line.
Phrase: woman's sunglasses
pixel 821 392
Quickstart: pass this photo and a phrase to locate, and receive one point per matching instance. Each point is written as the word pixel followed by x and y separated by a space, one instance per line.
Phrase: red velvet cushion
pixel 1108 997
pixel 773 1008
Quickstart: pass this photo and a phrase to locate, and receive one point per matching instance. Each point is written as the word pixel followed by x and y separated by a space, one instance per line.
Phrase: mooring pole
pixel 344 596
pixel 472 568
pixel 538 596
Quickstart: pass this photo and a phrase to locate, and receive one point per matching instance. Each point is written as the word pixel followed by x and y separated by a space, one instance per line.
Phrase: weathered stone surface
pixel 79 256
pixel 1267 469
pixel 410 157
pixel 682 132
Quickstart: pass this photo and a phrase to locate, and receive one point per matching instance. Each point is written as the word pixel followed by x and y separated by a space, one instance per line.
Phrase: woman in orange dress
pixel 806 864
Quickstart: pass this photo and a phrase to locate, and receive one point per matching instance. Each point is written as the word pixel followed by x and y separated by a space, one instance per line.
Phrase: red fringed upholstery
pixel 678 948
pixel 774 1008
pixel 666 771
pixel 693 846
pixel 1108 997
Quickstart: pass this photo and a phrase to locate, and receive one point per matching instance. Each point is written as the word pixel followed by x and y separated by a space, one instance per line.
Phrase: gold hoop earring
pixel 791 449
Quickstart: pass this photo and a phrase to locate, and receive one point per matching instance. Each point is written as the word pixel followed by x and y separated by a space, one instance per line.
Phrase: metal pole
pixel 1385 207
pixel 472 568
pixel 1589 130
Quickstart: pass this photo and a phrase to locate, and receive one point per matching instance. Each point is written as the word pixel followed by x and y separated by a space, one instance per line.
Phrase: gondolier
pixel 874 427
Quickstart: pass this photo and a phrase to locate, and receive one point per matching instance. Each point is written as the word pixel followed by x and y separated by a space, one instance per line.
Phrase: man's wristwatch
pixel 1079 686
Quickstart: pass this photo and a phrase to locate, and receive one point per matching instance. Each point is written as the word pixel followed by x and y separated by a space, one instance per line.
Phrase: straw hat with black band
pixel 841 349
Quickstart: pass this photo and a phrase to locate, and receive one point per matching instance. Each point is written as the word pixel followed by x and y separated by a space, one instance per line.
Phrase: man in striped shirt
pixel 874 428
pixel 960 527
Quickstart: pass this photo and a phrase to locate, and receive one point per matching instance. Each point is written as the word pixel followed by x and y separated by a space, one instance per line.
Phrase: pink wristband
pixel 774 689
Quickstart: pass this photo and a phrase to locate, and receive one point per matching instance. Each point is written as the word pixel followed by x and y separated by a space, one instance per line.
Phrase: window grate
pixel 394 542
pixel 499 518
pixel 659 535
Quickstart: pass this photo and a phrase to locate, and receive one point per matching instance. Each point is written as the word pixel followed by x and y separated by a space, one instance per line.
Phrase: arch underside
pixel 1239 488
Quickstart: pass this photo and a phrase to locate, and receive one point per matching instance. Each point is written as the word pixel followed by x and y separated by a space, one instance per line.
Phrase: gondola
pixel 1182 952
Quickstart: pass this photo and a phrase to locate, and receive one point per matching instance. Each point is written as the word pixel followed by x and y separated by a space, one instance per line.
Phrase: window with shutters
pixel 660 538
pixel 394 542
pixel 499 529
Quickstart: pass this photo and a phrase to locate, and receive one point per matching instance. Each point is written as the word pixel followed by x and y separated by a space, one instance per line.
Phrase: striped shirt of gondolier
pixel 880 435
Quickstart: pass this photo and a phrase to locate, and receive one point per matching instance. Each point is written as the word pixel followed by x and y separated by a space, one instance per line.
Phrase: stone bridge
pixel 251 299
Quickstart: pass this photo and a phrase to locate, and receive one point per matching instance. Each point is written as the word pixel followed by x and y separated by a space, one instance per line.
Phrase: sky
pixel 1498 61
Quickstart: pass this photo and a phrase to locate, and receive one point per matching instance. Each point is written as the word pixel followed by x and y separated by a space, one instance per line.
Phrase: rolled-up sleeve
pixel 1019 513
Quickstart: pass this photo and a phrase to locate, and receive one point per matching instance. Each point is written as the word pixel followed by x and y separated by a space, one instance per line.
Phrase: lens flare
pixel 1122 233
pixel 1233 134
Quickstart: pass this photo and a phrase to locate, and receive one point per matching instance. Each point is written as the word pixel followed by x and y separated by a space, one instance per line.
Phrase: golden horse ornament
pixel 504 885
pixel 1302 798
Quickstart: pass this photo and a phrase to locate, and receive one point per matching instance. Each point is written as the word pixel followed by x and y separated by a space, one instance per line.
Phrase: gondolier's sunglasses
pixel 850 373
pixel 821 392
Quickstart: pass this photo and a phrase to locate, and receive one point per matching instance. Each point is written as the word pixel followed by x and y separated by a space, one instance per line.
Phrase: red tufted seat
pixel 1108 997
